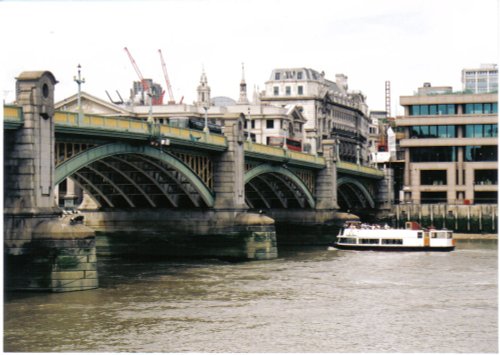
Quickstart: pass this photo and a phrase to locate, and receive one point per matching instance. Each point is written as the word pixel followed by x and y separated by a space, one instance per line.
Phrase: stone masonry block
pixel 67 275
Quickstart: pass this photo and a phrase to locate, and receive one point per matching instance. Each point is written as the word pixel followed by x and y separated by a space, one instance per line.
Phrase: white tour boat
pixel 357 236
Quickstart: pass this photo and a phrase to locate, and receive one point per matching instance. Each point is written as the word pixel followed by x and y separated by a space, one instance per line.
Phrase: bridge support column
pixel 326 182
pixel 43 251
pixel 229 187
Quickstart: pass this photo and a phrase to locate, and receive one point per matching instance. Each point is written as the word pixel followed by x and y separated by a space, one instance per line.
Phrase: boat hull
pixel 392 248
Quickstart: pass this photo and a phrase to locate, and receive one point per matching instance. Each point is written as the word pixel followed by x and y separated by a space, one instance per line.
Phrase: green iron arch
pixel 268 168
pixel 350 181
pixel 71 166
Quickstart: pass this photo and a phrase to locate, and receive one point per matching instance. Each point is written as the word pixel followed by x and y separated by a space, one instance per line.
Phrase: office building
pixel 450 147
pixel 331 110
pixel 480 80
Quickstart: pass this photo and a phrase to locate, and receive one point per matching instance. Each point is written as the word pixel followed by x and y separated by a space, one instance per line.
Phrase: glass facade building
pixel 449 146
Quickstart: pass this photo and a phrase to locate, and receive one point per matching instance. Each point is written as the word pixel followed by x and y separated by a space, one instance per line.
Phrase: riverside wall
pixel 463 219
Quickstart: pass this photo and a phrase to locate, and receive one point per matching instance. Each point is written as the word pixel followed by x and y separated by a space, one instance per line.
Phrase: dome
pixel 222 101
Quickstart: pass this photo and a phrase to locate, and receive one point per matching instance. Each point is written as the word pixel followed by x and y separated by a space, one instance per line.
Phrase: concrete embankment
pixel 464 236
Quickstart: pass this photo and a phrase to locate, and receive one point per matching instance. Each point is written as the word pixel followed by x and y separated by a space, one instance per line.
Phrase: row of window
pixel 449 154
pixel 452 109
pixel 433 132
pixel 288 75
pixel 288 90
pixel 480 197
pixel 425 110
pixel 440 177
pixel 481 131
pixel 481 108
pixel 449 131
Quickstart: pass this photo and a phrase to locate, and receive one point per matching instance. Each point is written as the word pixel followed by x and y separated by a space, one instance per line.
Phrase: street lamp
pixel 249 138
pixel 285 135
pixel 79 81
pixel 205 129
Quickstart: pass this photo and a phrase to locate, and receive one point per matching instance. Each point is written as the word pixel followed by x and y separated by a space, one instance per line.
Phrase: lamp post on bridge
pixel 205 129
pixel 79 81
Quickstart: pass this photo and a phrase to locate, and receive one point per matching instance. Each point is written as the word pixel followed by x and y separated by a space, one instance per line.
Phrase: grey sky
pixel 371 41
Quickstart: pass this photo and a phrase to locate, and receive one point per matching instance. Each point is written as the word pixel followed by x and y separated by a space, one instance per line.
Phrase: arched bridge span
pixel 126 175
pixel 353 195
pixel 272 186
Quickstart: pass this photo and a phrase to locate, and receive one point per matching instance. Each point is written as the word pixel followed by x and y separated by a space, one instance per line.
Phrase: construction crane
pixel 169 87
pixel 145 85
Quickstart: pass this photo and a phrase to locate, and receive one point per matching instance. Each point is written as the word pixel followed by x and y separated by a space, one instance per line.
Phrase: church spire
pixel 243 87
pixel 203 90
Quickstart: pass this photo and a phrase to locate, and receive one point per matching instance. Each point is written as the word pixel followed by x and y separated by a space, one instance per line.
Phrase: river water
pixel 307 300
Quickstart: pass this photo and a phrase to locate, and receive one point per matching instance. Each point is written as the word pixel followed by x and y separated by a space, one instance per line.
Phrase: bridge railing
pixel 12 116
pixel 359 169
pixel 284 155
pixel 136 126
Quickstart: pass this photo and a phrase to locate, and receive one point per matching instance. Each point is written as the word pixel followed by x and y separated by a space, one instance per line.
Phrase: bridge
pixel 141 179
pixel 96 148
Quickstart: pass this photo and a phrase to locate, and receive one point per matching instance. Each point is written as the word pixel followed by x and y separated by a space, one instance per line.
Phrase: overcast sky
pixel 370 41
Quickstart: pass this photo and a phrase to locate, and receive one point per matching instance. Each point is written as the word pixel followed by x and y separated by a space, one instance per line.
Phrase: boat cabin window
pixel 368 241
pixel 347 240
pixel 419 235
pixel 433 234
pixel 444 235
pixel 392 241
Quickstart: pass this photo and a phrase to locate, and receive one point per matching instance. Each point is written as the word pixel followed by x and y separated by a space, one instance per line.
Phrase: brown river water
pixel 307 300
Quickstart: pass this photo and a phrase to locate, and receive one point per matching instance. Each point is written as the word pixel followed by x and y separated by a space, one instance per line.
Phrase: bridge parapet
pixel 359 170
pixel 268 153
pixel 12 117
pixel 135 129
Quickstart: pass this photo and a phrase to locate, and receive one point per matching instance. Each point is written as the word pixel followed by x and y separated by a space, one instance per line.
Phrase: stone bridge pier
pixel 43 249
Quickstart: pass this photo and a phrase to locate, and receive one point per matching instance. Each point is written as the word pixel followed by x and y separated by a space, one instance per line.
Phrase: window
pixel 489 197
pixel 269 123
pixel 348 240
pixel 252 125
pixel 277 76
pixel 433 131
pixel 276 91
pixel 486 108
pixel 433 197
pixel 432 154
pixel 392 241
pixel 424 110
pixel 288 91
pixel 368 241
pixel 481 131
pixel 299 75
pixel 433 177
pixel 481 153
pixel 486 177
pixel 300 90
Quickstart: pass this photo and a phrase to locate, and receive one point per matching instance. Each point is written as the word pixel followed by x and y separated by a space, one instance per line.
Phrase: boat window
pixel 392 241
pixel 419 235
pixel 347 240
pixel 433 234
pixel 449 235
pixel 368 241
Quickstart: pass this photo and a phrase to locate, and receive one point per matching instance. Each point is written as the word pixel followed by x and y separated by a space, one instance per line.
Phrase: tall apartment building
pixel 450 147
pixel 331 111
pixel 480 80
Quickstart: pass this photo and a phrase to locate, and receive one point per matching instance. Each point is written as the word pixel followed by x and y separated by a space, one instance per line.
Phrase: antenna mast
pixel 388 98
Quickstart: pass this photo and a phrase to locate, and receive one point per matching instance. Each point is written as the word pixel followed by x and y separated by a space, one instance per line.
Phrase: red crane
pixel 169 87
pixel 145 85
